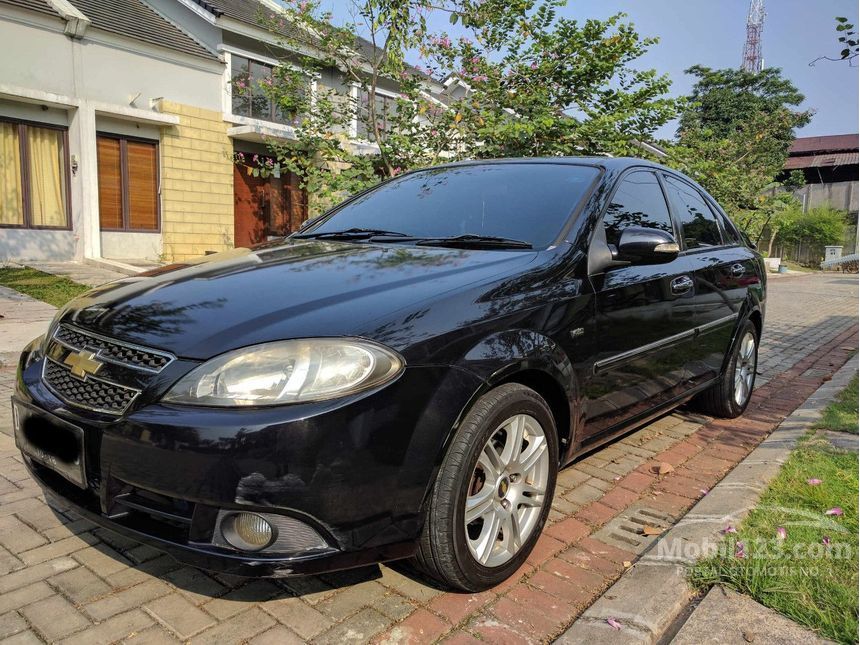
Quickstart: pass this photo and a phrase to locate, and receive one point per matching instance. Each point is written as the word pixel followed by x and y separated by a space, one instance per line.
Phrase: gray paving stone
pixel 54 618
pixel 725 617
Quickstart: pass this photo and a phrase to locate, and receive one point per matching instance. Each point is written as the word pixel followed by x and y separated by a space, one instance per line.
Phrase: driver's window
pixel 638 201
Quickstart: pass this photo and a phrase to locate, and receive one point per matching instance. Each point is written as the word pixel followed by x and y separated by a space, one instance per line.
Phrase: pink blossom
pixel 534 65
pixel 835 511
pixel 739 550
pixel 781 533
pixel 614 624
pixel 813 481
pixel 396 171
pixel 729 529
pixel 704 491
pixel 826 540
pixel 480 78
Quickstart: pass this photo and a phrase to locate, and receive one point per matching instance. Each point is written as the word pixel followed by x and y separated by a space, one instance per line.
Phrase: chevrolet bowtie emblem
pixel 83 363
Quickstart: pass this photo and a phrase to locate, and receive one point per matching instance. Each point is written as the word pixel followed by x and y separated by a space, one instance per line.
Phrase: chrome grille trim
pixel 102 346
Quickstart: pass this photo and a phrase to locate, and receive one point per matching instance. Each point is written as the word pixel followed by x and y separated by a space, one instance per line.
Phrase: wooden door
pixel 265 207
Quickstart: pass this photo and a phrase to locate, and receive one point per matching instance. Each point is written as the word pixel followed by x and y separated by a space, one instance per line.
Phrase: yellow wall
pixel 196 183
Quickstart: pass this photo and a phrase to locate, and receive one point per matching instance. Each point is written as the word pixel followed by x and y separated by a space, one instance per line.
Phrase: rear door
pixel 644 315
pixel 721 270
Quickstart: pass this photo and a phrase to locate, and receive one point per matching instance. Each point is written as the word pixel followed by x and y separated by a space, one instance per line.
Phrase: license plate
pixel 51 441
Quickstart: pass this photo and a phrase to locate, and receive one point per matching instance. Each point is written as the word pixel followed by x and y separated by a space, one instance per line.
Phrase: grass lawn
pixel 53 289
pixel 800 575
pixel 841 415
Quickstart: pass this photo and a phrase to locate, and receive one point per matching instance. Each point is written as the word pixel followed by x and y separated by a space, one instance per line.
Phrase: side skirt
pixel 637 422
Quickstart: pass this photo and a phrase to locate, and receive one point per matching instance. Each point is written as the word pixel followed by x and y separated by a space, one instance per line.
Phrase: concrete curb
pixel 651 595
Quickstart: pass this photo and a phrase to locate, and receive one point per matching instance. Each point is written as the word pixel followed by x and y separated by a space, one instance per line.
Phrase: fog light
pixel 247 531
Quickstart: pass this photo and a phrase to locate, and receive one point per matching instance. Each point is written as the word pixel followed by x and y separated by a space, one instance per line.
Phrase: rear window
pixel 699 226
pixel 523 201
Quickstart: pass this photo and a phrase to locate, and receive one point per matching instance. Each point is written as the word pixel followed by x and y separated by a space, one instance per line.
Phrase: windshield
pixel 519 201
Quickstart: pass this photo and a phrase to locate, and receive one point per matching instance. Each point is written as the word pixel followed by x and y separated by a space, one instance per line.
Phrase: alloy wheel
pixel 507 490
pixel 745 367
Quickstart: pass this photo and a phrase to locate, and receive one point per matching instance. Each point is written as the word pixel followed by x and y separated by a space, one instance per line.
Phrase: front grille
pixel 122 353
pixel 98 373
pixel 91 392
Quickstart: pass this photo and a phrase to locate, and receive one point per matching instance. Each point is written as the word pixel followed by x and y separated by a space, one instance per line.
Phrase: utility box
pixel 832 253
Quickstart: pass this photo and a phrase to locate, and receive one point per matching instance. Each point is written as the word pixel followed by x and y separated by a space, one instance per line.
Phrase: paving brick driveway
pixel 61 579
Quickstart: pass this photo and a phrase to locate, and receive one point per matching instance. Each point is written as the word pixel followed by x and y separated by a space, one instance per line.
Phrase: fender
pixel 752 304
pixel 521 351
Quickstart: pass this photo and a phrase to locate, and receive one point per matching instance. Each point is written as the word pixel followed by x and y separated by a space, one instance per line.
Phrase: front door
pixel 266 205
pixel 645 319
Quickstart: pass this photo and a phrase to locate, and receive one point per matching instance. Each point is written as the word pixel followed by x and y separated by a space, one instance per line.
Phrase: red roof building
pixel 830 168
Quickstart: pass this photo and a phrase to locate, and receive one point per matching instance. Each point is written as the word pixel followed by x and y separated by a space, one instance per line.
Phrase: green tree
pixel 541 85
pixel 819 226
pixel 734 138
pixel 537 84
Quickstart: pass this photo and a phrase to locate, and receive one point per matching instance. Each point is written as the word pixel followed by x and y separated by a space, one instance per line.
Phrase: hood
pixel 291 289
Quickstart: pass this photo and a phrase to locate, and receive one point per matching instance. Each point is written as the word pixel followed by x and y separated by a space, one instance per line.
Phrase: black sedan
pixel 403 377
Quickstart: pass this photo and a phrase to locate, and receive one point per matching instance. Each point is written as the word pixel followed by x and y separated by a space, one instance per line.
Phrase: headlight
pixel 290 371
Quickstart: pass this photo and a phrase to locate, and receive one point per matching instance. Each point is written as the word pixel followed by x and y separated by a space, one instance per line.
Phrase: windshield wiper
pixel 351 234
pixel 476 241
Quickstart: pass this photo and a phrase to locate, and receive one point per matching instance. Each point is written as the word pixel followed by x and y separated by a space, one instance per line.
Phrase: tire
pixel 722 398
pixel 450 551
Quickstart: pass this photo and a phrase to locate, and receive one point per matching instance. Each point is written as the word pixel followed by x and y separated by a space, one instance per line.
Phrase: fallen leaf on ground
pixel 749 637
pixel 651 530
pixel 663 469
pixel 627 564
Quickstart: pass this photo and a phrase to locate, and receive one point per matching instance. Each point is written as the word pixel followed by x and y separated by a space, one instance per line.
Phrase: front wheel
pixel 730 395
pixel 493 492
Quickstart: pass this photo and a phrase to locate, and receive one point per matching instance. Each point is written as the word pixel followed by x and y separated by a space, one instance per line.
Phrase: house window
pixel 385 107
pixel 34 176
pixel 128 183
pixel 250 92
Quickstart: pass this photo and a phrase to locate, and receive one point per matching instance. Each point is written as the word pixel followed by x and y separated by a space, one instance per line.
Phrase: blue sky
pixel 712 33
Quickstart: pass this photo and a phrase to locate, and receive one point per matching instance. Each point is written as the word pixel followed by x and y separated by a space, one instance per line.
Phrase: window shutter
pixel 142 186
pixel 110 183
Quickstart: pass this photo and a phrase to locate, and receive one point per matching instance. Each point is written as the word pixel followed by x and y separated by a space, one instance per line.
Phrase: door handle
pixel 681 284
pixel 738 270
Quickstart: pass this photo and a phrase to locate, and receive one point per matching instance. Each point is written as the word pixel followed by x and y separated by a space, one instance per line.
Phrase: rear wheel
pixel 730 395
pixel 493 491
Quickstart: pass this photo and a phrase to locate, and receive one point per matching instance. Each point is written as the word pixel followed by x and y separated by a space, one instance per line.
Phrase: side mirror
pixel 639 245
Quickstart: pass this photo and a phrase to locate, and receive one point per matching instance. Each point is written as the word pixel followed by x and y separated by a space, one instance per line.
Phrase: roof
pixel 830 160
pixel 130 18
pixel 250 12
pixel 818 145
pixel 33 5
pixel 137 20
pixel 257 13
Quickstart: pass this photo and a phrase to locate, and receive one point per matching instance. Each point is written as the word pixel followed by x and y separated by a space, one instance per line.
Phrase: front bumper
pixel 356 471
